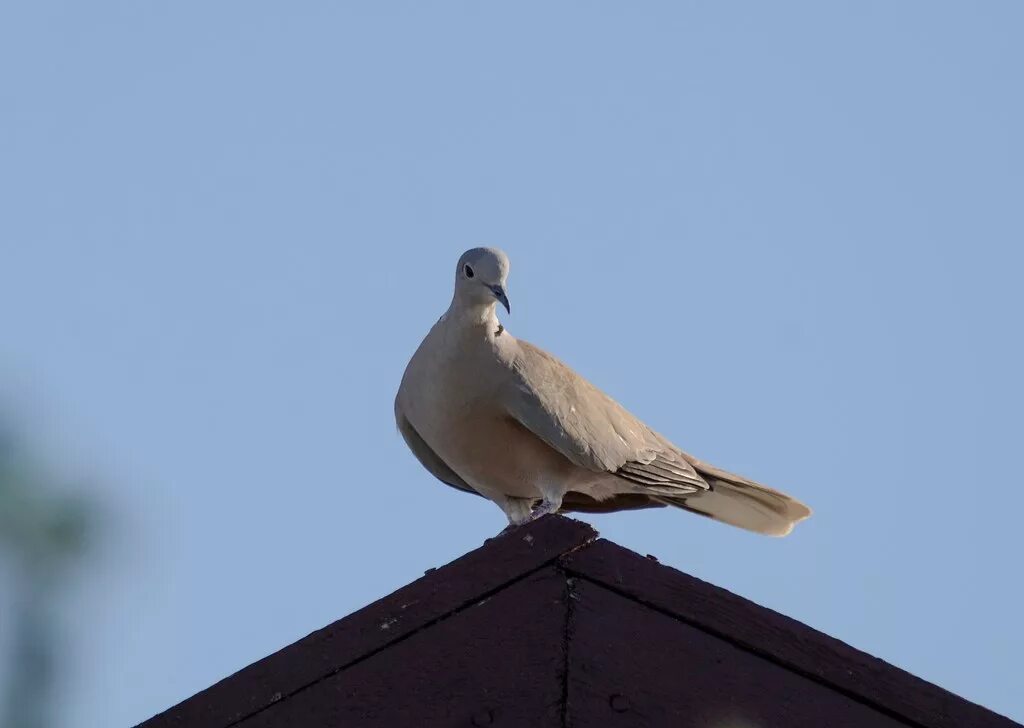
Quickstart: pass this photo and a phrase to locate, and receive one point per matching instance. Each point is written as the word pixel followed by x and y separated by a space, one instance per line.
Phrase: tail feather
pixel 741 502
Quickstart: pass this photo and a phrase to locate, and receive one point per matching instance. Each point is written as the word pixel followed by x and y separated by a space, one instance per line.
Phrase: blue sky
pixel 786 235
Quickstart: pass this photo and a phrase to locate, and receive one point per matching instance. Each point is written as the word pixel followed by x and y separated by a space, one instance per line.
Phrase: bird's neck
pixel 471 316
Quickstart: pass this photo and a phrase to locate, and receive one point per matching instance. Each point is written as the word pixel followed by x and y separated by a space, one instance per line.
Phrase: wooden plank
pixel 498 563
pixel 778 638
pixel 633 667
pixel 496 663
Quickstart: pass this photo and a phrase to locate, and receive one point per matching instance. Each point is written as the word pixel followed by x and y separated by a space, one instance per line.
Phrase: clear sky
pixel 787 235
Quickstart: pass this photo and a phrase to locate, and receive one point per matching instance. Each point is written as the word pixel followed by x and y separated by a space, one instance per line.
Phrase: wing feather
pixel 590 428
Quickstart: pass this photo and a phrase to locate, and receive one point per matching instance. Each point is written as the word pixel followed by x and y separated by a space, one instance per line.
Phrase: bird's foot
pixel 519 512
pixel 545 508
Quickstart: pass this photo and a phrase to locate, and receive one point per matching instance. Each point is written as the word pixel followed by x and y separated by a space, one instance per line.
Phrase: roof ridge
pixel 441 592
pixel 783 640
pixel 506 574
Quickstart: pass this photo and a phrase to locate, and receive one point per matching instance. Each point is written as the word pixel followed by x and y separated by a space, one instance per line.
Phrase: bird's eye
pixel 468 271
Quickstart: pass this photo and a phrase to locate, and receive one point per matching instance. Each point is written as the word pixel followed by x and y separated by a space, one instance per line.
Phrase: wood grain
pixel 633 667
pixel 782 640
pixel 496 663
pixel 470 578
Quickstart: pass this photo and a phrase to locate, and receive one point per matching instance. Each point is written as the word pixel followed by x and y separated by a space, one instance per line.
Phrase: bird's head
pixel 480 278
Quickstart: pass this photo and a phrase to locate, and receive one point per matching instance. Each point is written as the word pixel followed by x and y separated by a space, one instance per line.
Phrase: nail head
pixel 483 717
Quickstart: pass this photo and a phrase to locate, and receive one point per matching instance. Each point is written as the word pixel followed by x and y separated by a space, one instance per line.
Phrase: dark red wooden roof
pixel 549 626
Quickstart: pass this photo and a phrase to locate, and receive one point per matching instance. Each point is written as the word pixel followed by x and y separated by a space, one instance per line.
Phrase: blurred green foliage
pixel 43 532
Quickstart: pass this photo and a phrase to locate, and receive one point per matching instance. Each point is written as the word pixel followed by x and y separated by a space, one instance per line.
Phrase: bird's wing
pixel 427 457
pixel 590 428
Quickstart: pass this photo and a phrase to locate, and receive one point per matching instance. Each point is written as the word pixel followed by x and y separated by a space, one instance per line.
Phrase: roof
pixel 551 626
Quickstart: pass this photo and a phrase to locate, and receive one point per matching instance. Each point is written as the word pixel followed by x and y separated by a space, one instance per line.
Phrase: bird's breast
pixel 495 454
pixel 460 417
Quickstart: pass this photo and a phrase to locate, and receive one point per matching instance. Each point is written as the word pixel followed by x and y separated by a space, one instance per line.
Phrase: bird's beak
pixel 499 293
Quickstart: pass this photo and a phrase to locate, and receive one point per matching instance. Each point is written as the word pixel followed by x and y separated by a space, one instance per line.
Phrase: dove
pixel 498 417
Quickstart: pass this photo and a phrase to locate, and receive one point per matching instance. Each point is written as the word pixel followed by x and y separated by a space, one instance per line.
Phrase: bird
pixel 495 416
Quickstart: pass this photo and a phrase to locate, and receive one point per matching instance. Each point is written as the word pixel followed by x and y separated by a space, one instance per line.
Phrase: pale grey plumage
pixel 489 414
pixel 590 428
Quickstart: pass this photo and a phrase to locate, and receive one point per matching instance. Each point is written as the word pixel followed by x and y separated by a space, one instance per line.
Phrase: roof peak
pixel 550 610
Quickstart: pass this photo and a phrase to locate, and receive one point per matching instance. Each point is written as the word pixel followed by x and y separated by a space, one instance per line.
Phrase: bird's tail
pixel 741 502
